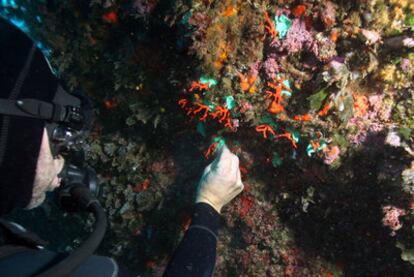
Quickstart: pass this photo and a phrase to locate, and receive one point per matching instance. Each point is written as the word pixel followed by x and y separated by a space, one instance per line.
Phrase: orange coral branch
pixel 198 86
pixel 228 123
pixel 183 103
pixel 270 26
pixel 334 35
pixel 325 110
pixel 289 137
pixel 276 108
pixel 278 84
pixel 315 144
pixel 264 129
pixel 244 82
pixel 221 113
pixel 230 11
pixel 210 150
pixel 276 95
pixel 247 82
pixel 190 111
pixel 305 117
pixel 201 108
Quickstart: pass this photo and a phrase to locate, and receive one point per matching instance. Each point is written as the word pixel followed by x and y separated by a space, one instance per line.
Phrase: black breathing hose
pixel 77 257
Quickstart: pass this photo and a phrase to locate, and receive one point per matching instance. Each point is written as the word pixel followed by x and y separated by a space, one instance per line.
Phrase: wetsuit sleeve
pixel 196 253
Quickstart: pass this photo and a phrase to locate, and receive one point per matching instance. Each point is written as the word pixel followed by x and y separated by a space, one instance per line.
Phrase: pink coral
pixel 245 106
pixel 375 127
pixel 328 14
pixel 379 109
pixel 297 38
pixel 375 100
pixel 406 65
pixel 254 68
pixel 359 138
pixel 365 132
pixel 385 112
pixel 331 153
pixel 236 123
pixel 391 218
pixel 271 68
pixel 370 36
pixel 393 139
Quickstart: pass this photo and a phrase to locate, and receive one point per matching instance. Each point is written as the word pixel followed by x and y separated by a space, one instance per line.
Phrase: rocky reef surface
pixel 315 97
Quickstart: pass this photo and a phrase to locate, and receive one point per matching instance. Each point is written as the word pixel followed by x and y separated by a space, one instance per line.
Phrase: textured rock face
pixel 316 99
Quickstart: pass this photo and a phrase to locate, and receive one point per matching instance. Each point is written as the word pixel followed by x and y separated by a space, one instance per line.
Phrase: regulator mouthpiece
pixel 78 189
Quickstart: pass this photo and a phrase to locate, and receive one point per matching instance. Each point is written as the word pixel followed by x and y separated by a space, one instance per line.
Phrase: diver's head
pixel 39 121
pixel 27 166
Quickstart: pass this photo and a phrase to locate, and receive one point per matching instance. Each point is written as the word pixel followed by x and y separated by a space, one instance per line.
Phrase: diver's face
pixel 47 169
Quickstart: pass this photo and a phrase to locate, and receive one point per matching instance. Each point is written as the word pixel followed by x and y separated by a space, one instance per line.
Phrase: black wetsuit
pixel 195 255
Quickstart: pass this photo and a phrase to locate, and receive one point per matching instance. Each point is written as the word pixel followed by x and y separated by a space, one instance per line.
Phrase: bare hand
pixel 221 180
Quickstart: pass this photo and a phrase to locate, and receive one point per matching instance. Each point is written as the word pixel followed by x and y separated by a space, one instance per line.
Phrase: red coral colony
pixel 315 98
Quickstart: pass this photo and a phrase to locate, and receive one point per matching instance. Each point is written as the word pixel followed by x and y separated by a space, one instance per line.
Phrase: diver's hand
pixel 221 180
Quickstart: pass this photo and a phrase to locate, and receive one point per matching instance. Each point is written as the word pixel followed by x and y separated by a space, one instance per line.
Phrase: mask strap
pixel 34 109
pixel 13 95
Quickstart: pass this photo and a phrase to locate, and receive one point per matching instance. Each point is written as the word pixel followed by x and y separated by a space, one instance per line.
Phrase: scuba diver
pixel 39 124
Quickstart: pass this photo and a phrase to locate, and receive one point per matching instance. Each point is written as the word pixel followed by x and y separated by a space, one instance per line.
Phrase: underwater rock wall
pixel 315 97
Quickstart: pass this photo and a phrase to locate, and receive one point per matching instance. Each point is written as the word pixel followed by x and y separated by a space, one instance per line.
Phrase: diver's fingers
pixel 223 161
pixel 239 183
pixel 236 191
pixel 234 168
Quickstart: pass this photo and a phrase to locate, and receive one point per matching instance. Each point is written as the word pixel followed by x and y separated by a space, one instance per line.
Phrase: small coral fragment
pixel 331 154
pixel 360 105
pixel 183 103
pixel 391 218
pixel 324 111
pixel 270 26
pixel 198 86
pixel 211 150
pixel 264 129
pixel 111 17
pixel 247 82
pixel 230 11
pixel 299 10
pixel 305 117
pixel 290 137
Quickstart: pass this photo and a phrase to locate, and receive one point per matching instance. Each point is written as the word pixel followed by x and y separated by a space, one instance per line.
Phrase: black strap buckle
pixel 42 110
